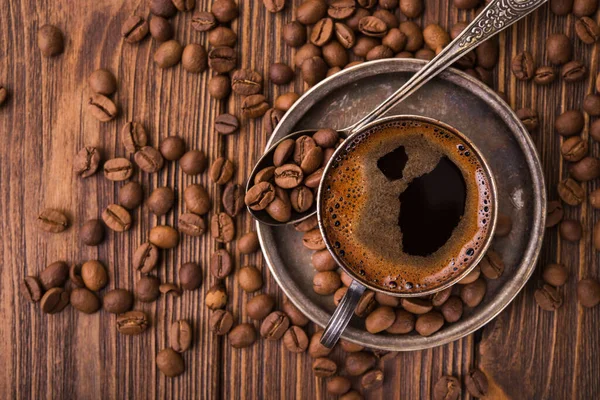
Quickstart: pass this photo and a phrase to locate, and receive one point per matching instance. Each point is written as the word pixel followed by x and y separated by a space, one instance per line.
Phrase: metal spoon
pixel 495 17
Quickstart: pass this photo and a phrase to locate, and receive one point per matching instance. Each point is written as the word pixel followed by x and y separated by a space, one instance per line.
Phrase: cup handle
pixel 342 314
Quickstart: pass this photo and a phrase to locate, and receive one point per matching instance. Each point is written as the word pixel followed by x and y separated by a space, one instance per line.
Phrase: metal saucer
pixel 462 102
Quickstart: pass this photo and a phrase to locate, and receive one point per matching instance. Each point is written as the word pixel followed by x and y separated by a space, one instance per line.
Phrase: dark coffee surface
pixel 407 207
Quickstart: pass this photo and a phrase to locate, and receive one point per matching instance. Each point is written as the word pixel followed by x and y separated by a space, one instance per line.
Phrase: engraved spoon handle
pixel 497 16
pixel 342 314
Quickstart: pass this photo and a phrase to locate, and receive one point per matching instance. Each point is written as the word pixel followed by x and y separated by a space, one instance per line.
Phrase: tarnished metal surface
pixel 476 111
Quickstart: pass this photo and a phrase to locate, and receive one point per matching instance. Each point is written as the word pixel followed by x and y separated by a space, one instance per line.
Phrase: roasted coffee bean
pixel 131 195
pixel 265 175
pixel 221 322
pixel 170 363
pixel 387 17
pixel 222 36
pixel 315 348
pixel 307 224
pixel 588 292
pixel 591 104
pixel 54 300
pixel 561 7
pixel 555 274
pixel 260 196
pixel 492 266
pixel 203 21
pixel 117 218
pixel 583 8
pixel 414 35
pixel 322 32
pixel 573 71
pixel 50 40
pixel 558 48
pixel 3 95
pixel 132 322
pixel 372 380
pixel 134 136
pixel 310 11
pixel 172 148
pixel 94 275
pixel 294 33
pixel 254 106
pixel 194 58
pixel 219 86
pixel 429 323
pixel 554 213
pixel 225 10
pixel 452 309
pixel 570 230
pixel 181 336
pixel 529 118
pixel 326 138
pixel 569 123
pixel 147 289
pixel 295 340
pixel 118 169
pixel 323 367
pixel 471 277
pixel 233 199
pixel 416 305
pixel 75 276
pixel 326 282
pixel 436 38
pixel 190 276
pixel 222 228
pixel 427 55
pixel 191 224
pixel 288 176
pixel 595 199
pixel 305 52
pixel 161 29
pixel 344 34
pixel 476 383
pixel 341 9
pixel 216 297
pixel 303 145
pixel 387 300
pixel 440 297
pixel 353 21
pixel 366 304
pixel 302 199
pixel 243 335
pixel 570 192
pixel 246 82
pixel 149 159
pixel 313 240
pixel 221 171
pixel 274 326
pixel 379 52
pixel 587 30
pixel 84 300
pixel 523 66
pixel 472 294
pixel 446 388
pixel 404 322
pixel 544 75
pixel 359 362
pixel 249 278
pixel 163 8
pixel 339 385
pixel 380 319
pixel 285 101
pixel 222 59
pixel 86 162
pixel 314 70
pixel 117 301
pixel 574 149
pixel 101 107
pixel 32 289
pixel 372 26
pixel 280 74
pixel 411 8
pixel 145 257
pixel 395 40
pixel 102 81
pixel 164 237
pixel 92 232
pixel 260 306
pixel 51 220
pixel 134 29
pixel 586 169
pixel 312 160
pixel 193 162
pixel 161 200
pixel 248 243
pixel 548 298
pixel 283 152
pixel 226 124
pixel 487 53
pixel 295 315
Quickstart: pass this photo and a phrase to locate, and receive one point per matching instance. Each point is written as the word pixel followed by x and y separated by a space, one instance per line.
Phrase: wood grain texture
pixel 526 352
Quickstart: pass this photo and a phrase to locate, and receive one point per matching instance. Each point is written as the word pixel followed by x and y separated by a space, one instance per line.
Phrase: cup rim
pixel 493 200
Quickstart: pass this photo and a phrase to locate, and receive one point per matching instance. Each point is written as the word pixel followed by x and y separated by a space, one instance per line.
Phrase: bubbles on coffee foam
pixel 344 203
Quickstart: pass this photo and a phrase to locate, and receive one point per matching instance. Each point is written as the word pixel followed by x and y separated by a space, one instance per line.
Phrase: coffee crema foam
pixel 361 206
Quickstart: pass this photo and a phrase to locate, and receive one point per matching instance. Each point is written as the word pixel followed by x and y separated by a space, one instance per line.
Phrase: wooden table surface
pixel 526 353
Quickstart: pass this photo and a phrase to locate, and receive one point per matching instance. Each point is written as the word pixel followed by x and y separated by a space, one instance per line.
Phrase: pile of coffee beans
pixel 290 184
